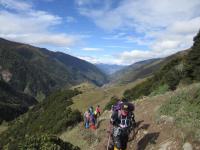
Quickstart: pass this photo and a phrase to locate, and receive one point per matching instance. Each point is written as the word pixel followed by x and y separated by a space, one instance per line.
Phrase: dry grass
pixel 98 96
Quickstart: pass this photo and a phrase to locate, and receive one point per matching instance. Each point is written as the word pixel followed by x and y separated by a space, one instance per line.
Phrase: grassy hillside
pixel 168 77
pixel 13 103
pixel 98 95
pixel 181 69
pixel 52 116
pixel 136 71
pixel 184 106
pixel 38 71
pixel 91 97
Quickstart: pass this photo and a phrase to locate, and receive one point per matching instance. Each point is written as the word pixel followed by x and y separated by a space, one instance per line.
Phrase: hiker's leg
pixel 124 141
pixel 111 144
pixel 117 142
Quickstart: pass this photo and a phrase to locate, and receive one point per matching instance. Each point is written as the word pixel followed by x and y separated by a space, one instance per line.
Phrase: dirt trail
pixel 152 133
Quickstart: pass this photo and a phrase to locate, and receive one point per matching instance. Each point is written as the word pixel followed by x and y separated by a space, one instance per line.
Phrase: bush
pixel 169 75
pixel 160 90
pixel 141 89
pixel 44 142
pixel 112 101
pixel 193 60
pixel 52 116
pixel 184 107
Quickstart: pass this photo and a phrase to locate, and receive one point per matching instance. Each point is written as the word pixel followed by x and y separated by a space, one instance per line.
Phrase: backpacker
pixel 118 105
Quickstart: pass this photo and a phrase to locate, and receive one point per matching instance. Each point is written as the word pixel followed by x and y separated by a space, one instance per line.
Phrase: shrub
pixel 184 107
pixel 49 117
pixel 160 90
pixel 44 142
pixel 141 89
pixel 112 101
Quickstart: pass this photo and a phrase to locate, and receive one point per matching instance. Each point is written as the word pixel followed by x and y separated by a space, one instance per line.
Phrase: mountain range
pixel 38 71
pixel 138 70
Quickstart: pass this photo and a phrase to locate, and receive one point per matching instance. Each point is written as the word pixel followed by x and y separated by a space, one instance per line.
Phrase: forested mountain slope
pixel 38 71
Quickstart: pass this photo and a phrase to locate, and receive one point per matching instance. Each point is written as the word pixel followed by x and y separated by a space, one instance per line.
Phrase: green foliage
pixel 169 75
pixel 44 142
pixel 193 60
pixel 52 116
pixel 112 101
pixel 160 90
pixel 136 71
pixel 181 69
pixel 184 107
pixel 141 89
pixel 13 103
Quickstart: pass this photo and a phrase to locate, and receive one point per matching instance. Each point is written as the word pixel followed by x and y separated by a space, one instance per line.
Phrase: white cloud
pixel 41 39
pixel 82 2
pixel 32 26
pixel 185 27
pixel 107 59
pixel 38 21
pixel 91 49
pixel 16 4
pixel 117 46
pixel 89 59
pixel 165 27
pixel 71 19
pixel 143 14
pixel 129 57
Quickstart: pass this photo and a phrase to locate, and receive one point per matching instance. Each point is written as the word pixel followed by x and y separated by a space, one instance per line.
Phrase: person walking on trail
pixel 122 121
pixel 92 118
pixel 98 111
pixel 87 119
pixel 91 110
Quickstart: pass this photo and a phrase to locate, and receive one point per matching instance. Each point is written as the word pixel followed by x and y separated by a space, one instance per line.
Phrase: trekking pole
pixel 109 137
pixel 108 142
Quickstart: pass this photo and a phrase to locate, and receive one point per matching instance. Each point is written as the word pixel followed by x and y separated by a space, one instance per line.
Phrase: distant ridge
pixel 109 68
pixel 38 71
pixel 138 70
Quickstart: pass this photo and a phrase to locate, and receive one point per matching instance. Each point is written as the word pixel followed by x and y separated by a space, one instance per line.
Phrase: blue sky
pixel 103 31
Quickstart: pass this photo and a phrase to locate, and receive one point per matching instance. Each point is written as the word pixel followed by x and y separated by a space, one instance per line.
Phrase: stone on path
pixel 187 146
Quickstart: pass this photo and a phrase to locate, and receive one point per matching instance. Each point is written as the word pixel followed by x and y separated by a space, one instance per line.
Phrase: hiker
pixel 92 117
pixel 98 111
pixel 122 120
pixel 91 110
pixel 117 106
pixel 92 121
pixel 87 119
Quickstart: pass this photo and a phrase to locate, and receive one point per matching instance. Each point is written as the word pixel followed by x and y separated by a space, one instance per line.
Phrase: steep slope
pixel 167 77
pixel 138 70
pixel 13 103
pixel 166 121
pixel 49 117
pixel 181 69
pixel 38 71
pixel 109 69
